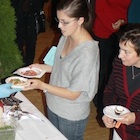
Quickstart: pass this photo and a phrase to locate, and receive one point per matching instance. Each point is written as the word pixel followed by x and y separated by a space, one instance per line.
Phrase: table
pixel 35 129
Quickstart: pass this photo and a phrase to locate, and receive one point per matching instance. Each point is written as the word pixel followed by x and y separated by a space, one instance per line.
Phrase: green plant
pixel 10 56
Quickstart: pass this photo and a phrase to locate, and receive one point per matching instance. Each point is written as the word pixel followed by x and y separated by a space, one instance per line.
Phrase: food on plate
pixel 17 81
pixel 29 73
pixel 118 110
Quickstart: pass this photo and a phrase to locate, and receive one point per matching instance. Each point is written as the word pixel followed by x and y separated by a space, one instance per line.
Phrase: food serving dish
pixel 110 111
pixel 7 128
pixel 30 72
pixel 17 81
pixel 18 114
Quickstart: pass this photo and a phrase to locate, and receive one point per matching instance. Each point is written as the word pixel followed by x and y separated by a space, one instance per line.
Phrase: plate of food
pixel 30 72
pixel 115 111
pixel 17 81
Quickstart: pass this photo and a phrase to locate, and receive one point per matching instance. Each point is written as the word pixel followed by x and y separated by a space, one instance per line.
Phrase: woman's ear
pixel 80 20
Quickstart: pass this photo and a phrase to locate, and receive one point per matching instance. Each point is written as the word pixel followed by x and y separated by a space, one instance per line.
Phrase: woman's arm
pixel 58 91
pixel 45 67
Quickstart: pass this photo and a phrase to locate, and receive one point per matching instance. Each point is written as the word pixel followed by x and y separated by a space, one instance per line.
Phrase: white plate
pixel 25 80
pixel 21 71
pixel 110 112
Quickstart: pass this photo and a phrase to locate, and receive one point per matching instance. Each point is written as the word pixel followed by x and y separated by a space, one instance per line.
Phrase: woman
pixel 74 75
pixel 124 86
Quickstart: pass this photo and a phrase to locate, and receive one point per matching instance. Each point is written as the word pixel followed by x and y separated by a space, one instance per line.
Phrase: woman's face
pixel 128 54
pixel 67 25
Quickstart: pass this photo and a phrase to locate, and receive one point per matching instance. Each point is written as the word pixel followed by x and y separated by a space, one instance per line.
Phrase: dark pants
pixel 26 37
pixel 108 50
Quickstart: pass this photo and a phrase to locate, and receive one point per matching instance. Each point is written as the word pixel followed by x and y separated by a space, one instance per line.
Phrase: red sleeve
pixel 108 12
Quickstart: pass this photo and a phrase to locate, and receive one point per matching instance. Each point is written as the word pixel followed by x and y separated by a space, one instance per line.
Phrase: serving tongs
pixel 16 112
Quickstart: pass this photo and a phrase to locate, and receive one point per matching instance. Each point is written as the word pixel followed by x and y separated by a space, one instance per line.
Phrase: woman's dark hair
pixel 131 32
pixel 77 9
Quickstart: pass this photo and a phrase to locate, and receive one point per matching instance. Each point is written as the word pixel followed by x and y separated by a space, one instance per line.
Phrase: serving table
pixel 39 128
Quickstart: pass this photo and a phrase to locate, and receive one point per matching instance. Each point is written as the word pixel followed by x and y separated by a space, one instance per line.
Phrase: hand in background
pixel 6 90
pixel 118 24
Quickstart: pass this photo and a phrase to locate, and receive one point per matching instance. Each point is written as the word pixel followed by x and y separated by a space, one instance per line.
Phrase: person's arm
pixel 62 92
pixel 6 90
pixel 44 67
pixel 109 96
pixel 58 91
pixel 79 79
pixel 112 18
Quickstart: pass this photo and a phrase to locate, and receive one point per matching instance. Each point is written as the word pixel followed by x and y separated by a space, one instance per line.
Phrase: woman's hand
pixel 129 118
pixel 109 123
pixel 36 65
pixel 35 84
pixel 44 67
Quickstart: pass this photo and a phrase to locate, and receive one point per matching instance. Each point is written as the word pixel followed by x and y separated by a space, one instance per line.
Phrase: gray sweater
pixel 78 71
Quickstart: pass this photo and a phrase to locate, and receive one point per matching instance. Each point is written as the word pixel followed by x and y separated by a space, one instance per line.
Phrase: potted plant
pixel 10 56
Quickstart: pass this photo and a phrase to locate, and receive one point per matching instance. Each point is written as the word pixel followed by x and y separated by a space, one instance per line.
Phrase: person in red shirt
pixel 109 16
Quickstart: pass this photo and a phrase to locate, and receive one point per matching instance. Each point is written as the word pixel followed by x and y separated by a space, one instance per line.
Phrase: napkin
pixel 49 58
pixel 37 130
